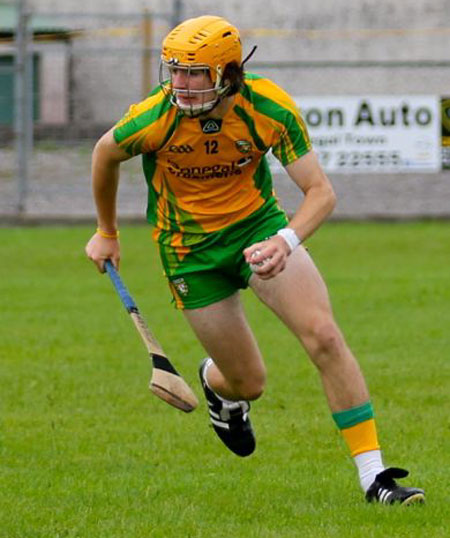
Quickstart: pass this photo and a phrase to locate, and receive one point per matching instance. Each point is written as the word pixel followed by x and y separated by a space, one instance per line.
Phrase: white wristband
pixel 290 237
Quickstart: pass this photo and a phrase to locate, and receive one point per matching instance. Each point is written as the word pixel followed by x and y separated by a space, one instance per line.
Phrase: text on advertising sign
pixel 375 133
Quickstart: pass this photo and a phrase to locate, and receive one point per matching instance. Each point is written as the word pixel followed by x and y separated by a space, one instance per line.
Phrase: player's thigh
pixel 223 330
pixel 299 297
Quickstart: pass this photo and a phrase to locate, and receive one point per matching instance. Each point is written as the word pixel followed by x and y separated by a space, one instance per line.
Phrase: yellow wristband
pixel 107 235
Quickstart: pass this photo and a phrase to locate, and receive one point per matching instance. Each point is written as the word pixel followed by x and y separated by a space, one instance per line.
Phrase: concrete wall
pixel 329 30
pixel 54 85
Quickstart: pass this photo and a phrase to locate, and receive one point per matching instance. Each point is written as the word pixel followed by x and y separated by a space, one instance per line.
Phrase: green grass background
pixel 87 451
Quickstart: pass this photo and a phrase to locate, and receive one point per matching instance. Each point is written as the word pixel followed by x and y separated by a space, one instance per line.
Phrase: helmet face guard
pixel 201 46
pixel 192 99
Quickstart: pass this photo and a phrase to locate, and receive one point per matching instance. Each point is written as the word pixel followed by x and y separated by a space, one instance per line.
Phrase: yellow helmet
pixel 208 40
pixel 206 43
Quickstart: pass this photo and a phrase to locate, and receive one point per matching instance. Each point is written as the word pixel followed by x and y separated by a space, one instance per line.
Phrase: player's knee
pixel 325 343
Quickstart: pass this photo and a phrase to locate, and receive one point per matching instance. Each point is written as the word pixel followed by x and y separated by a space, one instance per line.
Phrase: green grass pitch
pixel 86 450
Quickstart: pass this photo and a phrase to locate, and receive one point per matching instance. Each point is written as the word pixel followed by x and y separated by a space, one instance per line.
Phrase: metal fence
pixel 70 76
pixel 64 79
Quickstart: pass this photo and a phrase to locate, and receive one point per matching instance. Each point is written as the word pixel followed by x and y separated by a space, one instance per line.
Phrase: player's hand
pixel 99 249
pixel 267 258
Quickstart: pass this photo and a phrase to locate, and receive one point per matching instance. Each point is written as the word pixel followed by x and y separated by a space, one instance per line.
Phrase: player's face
pixel 191 86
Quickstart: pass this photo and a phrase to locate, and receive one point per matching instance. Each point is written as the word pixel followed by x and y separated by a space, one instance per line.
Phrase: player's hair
pixel 234 76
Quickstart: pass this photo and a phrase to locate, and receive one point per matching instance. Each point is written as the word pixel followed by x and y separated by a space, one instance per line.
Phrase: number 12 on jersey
pixel 212 146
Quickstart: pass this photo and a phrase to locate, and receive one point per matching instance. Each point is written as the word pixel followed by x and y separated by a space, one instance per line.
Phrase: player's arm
pixel 106 159
pixel 319 201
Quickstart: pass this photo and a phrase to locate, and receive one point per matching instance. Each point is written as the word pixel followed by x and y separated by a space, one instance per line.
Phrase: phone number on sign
pixel 360 159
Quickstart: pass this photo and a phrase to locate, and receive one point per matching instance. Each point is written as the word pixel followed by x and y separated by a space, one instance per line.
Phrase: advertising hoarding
pixel 380 134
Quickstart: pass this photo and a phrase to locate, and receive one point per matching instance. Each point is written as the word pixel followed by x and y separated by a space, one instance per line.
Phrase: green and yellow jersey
pixel 206 174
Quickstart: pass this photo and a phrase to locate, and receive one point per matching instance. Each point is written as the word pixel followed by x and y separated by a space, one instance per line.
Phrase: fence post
pixel 23 103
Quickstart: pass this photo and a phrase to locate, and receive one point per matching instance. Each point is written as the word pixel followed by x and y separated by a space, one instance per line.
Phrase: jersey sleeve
pixel 128 134
pixel 142 128
pixel 292 140
pixel 289 138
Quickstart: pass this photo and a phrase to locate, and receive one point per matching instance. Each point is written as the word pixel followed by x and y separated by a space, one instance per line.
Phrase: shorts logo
pixel 184 148
pixel 181 286
pixel 211 126
pixel 244 146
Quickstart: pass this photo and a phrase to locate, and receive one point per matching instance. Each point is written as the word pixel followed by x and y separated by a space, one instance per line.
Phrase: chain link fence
pixel 75 74
pixel 85 71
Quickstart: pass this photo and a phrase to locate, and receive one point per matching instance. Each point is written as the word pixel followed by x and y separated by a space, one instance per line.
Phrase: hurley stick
pixel 165 382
